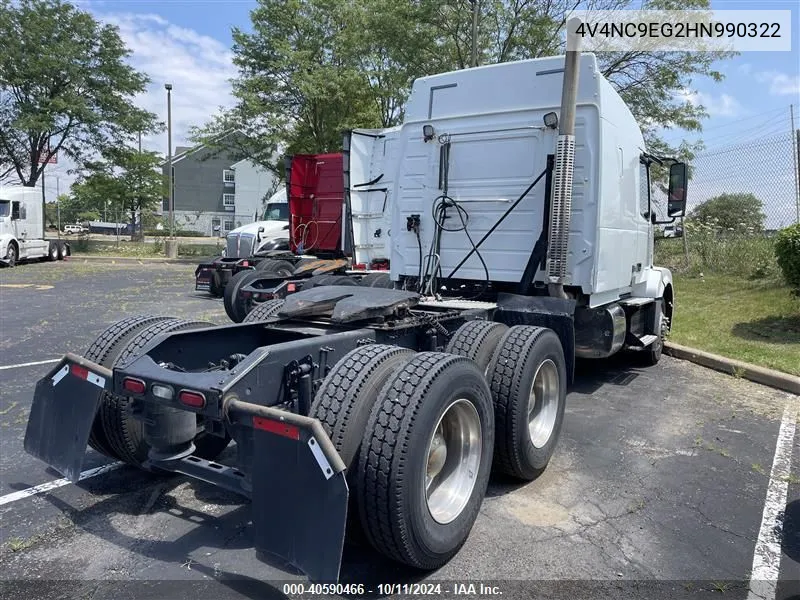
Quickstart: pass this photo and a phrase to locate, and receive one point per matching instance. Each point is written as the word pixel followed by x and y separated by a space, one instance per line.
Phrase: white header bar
pixel 680 30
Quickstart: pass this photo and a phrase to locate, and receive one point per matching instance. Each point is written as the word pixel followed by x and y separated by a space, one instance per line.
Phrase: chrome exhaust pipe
pixel 563 170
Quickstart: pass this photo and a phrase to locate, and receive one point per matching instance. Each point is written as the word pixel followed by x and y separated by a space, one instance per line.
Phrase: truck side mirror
pixel 676 194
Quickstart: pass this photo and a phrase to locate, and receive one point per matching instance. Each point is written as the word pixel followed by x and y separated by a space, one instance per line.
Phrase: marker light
pixel 192 399
pixel 134 386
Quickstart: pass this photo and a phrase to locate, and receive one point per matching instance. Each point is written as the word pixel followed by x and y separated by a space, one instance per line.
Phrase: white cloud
pixel 199 68
pixel 723 105
pixel 780 84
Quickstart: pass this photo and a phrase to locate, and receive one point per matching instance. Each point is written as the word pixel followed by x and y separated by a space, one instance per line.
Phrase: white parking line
pixel 30 364
pixel 52 485
pixel 767 554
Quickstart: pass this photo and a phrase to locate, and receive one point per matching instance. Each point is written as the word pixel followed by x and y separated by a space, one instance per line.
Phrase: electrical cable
pixel 439 214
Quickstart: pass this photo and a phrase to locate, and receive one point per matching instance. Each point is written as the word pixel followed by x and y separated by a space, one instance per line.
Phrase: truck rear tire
pixel 124 433
pixel 477 340
pixel 100 352
pixel 52 251
pixel 345 399
pixel 528 379
pixel 236 307
pixel 425 459
pixel 264 311
pixel 216 288
pixel 280 268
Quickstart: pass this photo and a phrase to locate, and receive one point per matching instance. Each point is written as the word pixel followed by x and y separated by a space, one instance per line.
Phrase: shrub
pixel 787 252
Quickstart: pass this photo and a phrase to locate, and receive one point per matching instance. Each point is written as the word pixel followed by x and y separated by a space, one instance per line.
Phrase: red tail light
pixel 134 386
pixel 290 287
pixel 360 266
pixel 79 371
pixel 192 399
pixel 245 263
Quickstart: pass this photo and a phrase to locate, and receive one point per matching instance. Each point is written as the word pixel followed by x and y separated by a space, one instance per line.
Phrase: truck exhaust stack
pixel 561 201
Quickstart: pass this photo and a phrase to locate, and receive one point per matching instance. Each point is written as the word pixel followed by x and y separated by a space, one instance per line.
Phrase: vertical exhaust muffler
pixel 563 170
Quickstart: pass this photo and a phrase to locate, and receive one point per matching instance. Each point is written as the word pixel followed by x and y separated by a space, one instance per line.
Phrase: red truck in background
pixel 316 204
pixel 315 195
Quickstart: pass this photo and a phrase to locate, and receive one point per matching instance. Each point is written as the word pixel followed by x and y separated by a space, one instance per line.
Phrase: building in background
pixel 215 191
pixel 254 185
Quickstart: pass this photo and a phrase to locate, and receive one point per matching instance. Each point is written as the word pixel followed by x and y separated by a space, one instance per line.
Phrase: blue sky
pixel 187 43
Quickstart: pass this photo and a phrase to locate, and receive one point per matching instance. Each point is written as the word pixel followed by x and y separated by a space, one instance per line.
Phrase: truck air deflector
pixel 63 409
pixel 299 492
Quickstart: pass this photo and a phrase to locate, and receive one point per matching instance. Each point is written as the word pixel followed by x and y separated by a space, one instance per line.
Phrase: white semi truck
pixel 521 237
pixel 22 228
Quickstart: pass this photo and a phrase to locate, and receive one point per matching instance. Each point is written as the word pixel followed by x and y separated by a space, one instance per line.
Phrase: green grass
pixel 140 249
pixel 754 321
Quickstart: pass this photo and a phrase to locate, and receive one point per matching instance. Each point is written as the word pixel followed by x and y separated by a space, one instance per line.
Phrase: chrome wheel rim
pixel 453 459
pixel 543 404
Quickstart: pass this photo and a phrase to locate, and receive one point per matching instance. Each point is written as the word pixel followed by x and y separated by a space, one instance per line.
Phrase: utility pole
pixel 58 206
pixel 168 87
pixel 171 246
pixel 474 33
pixel 796 161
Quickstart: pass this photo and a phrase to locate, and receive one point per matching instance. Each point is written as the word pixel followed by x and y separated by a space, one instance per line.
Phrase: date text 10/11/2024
pixel 401 589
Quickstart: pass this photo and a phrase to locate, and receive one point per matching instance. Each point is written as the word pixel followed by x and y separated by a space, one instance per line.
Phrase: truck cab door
pixel 17 220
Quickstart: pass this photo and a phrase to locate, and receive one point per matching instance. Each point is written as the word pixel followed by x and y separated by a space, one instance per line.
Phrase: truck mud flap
pixel 299 497
pixel 64 406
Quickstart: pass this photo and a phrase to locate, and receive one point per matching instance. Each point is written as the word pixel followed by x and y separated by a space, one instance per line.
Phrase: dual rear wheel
pixel 420 433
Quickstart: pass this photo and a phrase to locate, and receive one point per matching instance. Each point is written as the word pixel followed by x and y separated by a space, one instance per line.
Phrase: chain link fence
pixel 739 196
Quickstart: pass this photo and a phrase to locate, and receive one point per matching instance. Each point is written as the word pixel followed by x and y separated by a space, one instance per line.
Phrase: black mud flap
pixel 299 497
pixel 64 405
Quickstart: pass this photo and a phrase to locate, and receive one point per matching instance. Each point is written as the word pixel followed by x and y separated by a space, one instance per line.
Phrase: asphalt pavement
pixel 658 487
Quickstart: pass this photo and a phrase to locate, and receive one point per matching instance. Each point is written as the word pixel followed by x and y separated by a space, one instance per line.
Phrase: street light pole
pixel 168 87
pixel 58 206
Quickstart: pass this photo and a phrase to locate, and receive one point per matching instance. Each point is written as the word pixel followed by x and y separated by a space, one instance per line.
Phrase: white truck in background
pixel 22 228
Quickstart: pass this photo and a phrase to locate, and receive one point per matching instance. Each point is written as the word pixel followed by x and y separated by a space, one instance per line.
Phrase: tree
pixel 127 181
pixel 651 83
pixel 311 68
pixel 64 86
pixel 737 212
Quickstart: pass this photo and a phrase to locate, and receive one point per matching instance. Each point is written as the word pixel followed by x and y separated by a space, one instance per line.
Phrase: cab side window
pixel 15 211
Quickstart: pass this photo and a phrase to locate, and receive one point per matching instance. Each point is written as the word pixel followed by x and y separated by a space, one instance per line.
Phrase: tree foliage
pixel 126 182
pixel 731 212
pixel 64 86
pixel 311 68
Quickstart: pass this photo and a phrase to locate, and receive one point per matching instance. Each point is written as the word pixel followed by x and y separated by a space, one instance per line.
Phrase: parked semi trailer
pixel 22 228
pixel 522 238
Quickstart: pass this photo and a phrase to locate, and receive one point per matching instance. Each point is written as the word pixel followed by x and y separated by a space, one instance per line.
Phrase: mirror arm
pixel 672 220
